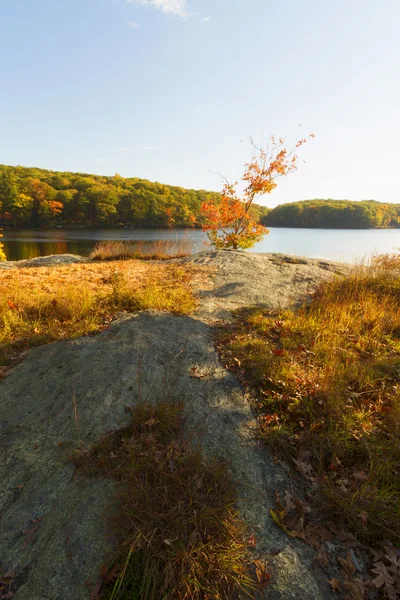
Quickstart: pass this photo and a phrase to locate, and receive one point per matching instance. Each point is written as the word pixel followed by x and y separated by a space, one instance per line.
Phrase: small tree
pixel 228 222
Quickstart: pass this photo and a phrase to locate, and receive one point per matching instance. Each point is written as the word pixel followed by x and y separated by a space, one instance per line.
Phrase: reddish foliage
pixel 229 222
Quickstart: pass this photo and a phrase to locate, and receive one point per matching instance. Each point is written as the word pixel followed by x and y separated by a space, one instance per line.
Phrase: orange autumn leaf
pixel 263 577
pixel 12 305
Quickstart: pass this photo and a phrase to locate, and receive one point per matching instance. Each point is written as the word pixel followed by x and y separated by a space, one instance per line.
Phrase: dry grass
pixel 154 250
pixel 327 380
pixel 41 305
pixel 180 537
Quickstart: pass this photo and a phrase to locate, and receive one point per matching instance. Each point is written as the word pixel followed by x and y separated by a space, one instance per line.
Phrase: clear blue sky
pixel 171 90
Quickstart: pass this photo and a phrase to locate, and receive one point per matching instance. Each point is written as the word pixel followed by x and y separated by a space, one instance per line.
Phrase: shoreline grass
pixel 139 250
pixel 327 382
pixel 179 534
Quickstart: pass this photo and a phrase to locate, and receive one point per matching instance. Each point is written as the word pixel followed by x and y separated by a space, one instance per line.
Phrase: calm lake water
pixel 347 245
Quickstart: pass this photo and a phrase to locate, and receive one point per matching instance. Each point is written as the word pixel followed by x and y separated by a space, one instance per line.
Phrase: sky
pixel 172 90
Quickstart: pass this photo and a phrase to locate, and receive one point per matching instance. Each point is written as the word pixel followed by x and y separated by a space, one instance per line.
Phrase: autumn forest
pixel 33 197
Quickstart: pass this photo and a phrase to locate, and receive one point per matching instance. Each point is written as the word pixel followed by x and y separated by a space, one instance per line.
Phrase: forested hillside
pixel 337 214
pixel 35 197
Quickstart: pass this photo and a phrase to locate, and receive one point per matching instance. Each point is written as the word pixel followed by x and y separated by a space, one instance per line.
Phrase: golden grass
pixel 327 381
pixel 41 305
pixel 154 250
pixel 180 536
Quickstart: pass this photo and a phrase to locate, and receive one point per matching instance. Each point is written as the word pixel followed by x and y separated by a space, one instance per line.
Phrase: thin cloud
pixel 133 24
pixel 101 160
pixel 172 7
pixel 150 147
pixel 124 149
pixel 206 19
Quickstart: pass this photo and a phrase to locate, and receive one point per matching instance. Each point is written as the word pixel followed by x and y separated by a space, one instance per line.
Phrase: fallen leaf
pixel 356 589
pixel 263 577
pixel 347 538
pixel 12 305
pixel 383 575
pixel 324 533
pixel 289 504
pixel 302 509
pixel 278 352
pixel 335 584
pixel 348 567
pixel 392 554
pixel 194 372
pixel 322 557
pixel 94 590
pixel 277 517
pixel 303 465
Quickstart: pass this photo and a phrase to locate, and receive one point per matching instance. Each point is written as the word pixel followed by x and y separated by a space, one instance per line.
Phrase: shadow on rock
pixel 69 394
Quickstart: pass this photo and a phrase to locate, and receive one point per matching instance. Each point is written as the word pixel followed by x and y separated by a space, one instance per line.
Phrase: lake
pixel 347 245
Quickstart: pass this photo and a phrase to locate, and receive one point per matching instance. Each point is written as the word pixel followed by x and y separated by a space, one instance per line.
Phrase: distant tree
pixel 22 209
pixel 8 192
pixel 335 214
pixel 169 218
pixel 41 193
pixel 49 211
pixel 228 221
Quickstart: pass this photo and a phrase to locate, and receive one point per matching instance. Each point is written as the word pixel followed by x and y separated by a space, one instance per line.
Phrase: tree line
pixel 335 214
pixel 40 198
pixel 33 197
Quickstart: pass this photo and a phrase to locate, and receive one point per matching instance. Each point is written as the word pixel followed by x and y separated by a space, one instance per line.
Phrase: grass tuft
pixel 154 250
pixel 327 381
pixel 180 536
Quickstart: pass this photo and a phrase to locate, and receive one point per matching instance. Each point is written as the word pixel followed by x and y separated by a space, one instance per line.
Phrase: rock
pixel 259 279
pixel 44 261
pixel 53 527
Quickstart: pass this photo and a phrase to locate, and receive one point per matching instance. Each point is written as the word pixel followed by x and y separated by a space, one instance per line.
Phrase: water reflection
pixel 335 244
pixel 22 244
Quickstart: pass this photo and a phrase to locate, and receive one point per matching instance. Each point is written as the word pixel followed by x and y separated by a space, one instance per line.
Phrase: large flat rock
pixel 259 279
pixel 43 261
pixel 53 525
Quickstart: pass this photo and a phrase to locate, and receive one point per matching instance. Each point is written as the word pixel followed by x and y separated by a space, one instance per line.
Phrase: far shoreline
pixel 177 228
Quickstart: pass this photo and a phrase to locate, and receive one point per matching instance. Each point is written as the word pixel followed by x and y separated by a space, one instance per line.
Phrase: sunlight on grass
pixel 154 250
pixel 327 380
pixel 38 306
